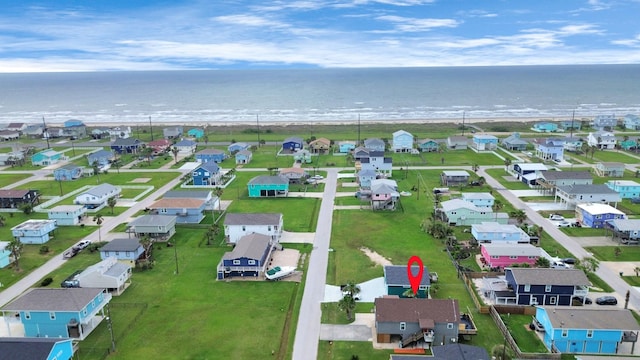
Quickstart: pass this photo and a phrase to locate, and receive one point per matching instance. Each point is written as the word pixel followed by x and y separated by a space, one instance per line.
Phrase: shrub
pixel 46 281
pixel 44 249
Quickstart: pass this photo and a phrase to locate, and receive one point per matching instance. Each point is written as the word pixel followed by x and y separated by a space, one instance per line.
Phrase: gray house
pixel 375 144
pixel 514 142
pixel 548 179
pixel 458 142
pixel 572 195
pixel 454 177
pixel 157 227
pixel 422 321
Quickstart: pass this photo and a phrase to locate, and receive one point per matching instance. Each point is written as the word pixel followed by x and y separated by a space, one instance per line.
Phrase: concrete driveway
pixel 345 332
pixel 369 291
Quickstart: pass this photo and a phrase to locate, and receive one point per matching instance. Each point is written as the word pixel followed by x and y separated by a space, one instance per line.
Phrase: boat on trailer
pixel 279 272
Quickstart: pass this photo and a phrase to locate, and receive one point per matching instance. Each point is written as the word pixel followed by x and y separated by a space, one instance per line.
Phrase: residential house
pixel 59 313
pixel 160 146
pixel 457 142
pixel 127 251
pixel 268 186
pixel 460 212
pixel 173 132
pixel 186 146
pixel 549 179
pixel 479 199
pixel 572 195
pixel 206 174
pixel 211 155
pixel 188 211
pixel 156 227
pixel 119 132
pixel 572 143
pixel 546 286
pixel 295 175
pixel 292 144
pixel 425 321
pixel 16 126
pixel 9 135
pixel 345 147
pixel 360 153
pixel 496 255
pixel 302 156
pixel 526 172
pixel 384 194
pixel 243 157
pixel 588 330
pixel 211 202
pixel 545 127
pixel 320 146
pixel 108 274
pixel 237 146
pixel 99 133
pixel 550 149
pixel 196 133
pixel 628 144
pixel 632 122
pixel 603 140
pixel 46 157
pixel 402 141
pixel 377 162
pixel 53 132
pixel 397 282
pixel 624 229
pixel 375 144
pixel 454 178
pixel 67 215
pixel 5 254
pixel 482 142
pixel 595 215
pixel 249 257
pixel 604 122
pixel 33 131
pixel 13 199
pixel 126 145
pixel 428 145
pixel 74 129
pixel 237 225
pixel 610 169
pixel 97 196
pixel 68 172
pixel 33 231
pixel 365 177
pixel 11 158
pixel 36 348
pixel 513 142
pixel 568 125
pixel 627 189
pixel 102 157
pixel 493 232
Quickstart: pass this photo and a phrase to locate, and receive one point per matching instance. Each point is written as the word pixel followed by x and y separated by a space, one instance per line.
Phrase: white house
pixel 97 196
pixel 602 140
pixel 108 274
pixel 480 199
pixel 67 214
pixel 237 225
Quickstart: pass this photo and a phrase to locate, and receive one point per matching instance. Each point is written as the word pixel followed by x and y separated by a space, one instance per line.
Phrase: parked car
pixel 563 224
pixel 607 300
pixel 556 217
pixel 580 300
pixel 570 261
pixel 71 281
pixel 636 200
pixel 82 244
pixel 317 177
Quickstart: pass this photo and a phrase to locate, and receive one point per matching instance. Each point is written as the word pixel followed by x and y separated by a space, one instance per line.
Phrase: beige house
pixel 320 145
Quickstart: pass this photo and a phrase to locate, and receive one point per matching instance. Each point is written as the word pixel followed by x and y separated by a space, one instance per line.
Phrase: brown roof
pixel 13 193
pixel 323 141
pixel 177 203
pixel 394 309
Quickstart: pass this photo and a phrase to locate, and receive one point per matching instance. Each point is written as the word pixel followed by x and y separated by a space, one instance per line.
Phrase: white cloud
pixel 249 20
pixel 405 24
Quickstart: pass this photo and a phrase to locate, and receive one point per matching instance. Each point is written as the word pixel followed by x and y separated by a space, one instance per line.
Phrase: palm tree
pixel 348 305
pixel 15 249
pixel 588 264
pixel 542 262
pixel 408 293
pixel 519 215
pixel 96 169
pixel 213 231
pixel 351 288
pixel 507 163
pixel 219 191
pixel 497 205
pixel 637 270
pixel 111 203
pixel 148 152
pixel 175 152
pixel 98 219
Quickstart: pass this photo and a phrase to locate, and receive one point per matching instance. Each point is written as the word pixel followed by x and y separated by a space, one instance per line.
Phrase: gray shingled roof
pixel 396 275
pixel 252 219
pixel 101 190
pixel 121 245
pixel 459 351
pixel 251 246
pixel 547 276
pixel 45 299
pixel 394 309
pixel 587 189
pixel 626 224
pixel 573 175
pixel 28 348
pixel 582 318
pixel 148 220
pixel 187 194
pixel 267 180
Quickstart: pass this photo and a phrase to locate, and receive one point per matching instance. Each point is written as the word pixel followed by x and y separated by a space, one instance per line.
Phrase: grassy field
pixel 8 179
pixel 527 339
pixel 499 175
pixel 344 350
pixel 608 253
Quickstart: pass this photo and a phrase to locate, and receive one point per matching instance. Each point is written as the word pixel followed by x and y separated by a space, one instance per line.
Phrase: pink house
pixel 504 255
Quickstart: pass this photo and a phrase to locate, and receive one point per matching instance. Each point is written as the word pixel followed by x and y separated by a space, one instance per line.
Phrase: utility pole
pixel 573 116
pixel 463 123
pixel 358 144
pixel 258 126
pixel 175 254
pixel 150 128
pixel 46 133
pixel 110 326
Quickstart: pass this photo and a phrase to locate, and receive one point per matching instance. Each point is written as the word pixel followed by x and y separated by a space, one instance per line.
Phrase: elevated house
pixel 546 286
pixel 454 178
pixel 365 177
pixel 37 348
pixel 624 230
pixel 97 196
pixel 572 195
pixel 627 189
pixel 5 254
pixel 249 257
pixel 211 202
pixel 292 144
pixel 384 194
pixel 237 146
pixel 376 161
pixel 484 142
pixel 496 255
pixel 101 157
pixel 109 274
pixel 211 155
pixel 568 125
pixel 33 131
pixel 295 175
pixel 74 129
pixel 526 172
pixel 186 211
pixel 588 330
pixel 428 145
pixel 548 180
pixel 629 144
pixel 16 126
pixel 513 142
pixel 46 158
pixel 126 145
pixel 13 199
pixel 603 140
pixel 268 186
pixel 345 147
pixel 206 174
pixel 243 157
pixel 320 146
pixel 360 153
pixel 160 146
pixel 34 231
pixel 456 142
pixel 493 232
pixel 59 313
pixel 68 172
pixel 479 199
pixel 632 122
pixel 459 212
pixel 67 215
pixel 53 132
pixel 9 135
pixel 172 132
pixel 573 143
pixel 186 146
pixel 402 141
pixel 609 169
pixel 196 133
pixel 100 133
pixel 118 132
pixel 545 127
pixel 237 225
pixel 605 122
pixel 127 251
pixel 595 215
pixel 397 282
pixel 550 149
pixel 11 158
pixel 375 144
pixel 158 228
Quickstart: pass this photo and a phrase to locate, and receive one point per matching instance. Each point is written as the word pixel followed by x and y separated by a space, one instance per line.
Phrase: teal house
pixel 196 133
pixel 5 254
pixel 36 348
pixel 545 127
pixel 628 189
pixel 428 145
pixel 397 281
pixel 268 186
pixel 46 157
pixel 628 144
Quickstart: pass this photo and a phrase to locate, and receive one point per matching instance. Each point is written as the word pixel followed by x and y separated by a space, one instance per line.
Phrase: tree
pixel 408 293
pixel 148 153
pixel 15 250
pixel 637 270
pixel 98 219
pixel 497 205
pixel 111 203
pixel 588 264
pixel 542 262
pixel 507 163
pixel 439 229
pixel 2 221
pixel 519 215
pixel 212 232
pixel 475 167
pixel 175 152
pixel 348 305
pixel 96 169
pixel 351 288
pixel 617 251
pixel 219 191
pixel 26 208
pixel 501 352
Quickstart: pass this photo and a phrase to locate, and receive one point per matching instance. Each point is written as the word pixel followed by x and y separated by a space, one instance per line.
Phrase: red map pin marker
pixel 415 280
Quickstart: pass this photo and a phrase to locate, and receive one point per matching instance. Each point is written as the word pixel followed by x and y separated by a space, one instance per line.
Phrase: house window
pixel 531 257
pixel 244 228
pixel 84 311
pixel 52 315
pixel 27 315
pixel 236 262
pixel 450 326
pixel 589 333
pixel 547 288
pixel 553 300
pixel 495 257
pixel 403 326
pixel 513 257
pixel 163 211
pixel 93 303
pixel 195 173
pixel 128 253
pixel 527 288
pixel 252 262
pixel 117 253
pixel 269 228
pixel 565 332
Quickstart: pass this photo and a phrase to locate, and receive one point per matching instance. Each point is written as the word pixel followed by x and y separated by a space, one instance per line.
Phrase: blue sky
pixel 102 35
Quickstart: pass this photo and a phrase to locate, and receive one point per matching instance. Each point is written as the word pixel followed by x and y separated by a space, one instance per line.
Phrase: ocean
pixel 322 95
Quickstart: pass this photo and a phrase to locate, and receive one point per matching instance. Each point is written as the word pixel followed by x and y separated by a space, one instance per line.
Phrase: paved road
pixel 305 345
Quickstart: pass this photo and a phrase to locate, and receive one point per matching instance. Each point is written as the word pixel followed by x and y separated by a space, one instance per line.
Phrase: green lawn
pixel 608 253
pixel 499 175
pixel 583 231
pixel 300 214
pixel 8 179
pixel 526 338
pixel 344 350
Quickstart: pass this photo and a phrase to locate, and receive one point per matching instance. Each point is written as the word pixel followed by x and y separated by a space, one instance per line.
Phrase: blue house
pixel 550 149
pixel 624 229
pixel 545 286
pixel 46 157
pixel 627 189
pixel 36 348
pixel 250 257
pixel 68 172
pixel 59 313
pixel 196 133
pixel 33 231
pixel 102 157
pixel 397 281
pixel 268 186
pixel 292 144
pixel 345 147
pixel 588 331
pixel 188 211
pixel 243 157
pixel 632 122
pixel 602 122
pixel 126 145
pixel 493 232
pixel 235 147
pixel 68 215
pixel 483 142
pixel 206 174
pixel 127 251
pixel 545 127
pixel 595 215
pixel 428 145
pixel 479 199
pixel 365 177
pixel 73 122
pixel 568 125
pixel 402 141
pixel 214 155
pixel 5 254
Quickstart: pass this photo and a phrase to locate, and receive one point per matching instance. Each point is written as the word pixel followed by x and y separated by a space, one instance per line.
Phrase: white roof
pixel 455 173
pixel 455 204
pixel 511 249
pixel 623 183
pixel 477 196
pixel 494 227
pixel 599 209
pixel 530 176
pixel 532 166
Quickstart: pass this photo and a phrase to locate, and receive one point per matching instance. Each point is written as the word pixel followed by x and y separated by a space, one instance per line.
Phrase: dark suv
pixel 607 300
pixel 71 281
